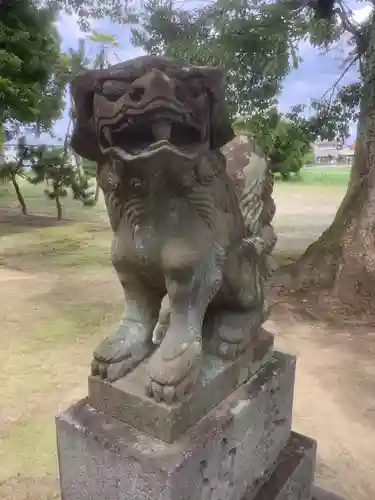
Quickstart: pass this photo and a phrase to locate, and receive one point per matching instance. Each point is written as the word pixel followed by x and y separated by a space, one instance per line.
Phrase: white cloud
pixel 361 15
pixel 68 27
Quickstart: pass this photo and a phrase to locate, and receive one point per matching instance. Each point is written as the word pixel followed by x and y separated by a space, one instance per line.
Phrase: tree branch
pixel 333 87
pixel 345 20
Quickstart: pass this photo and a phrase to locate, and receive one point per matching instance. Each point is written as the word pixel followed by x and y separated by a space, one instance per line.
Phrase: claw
pixel 231 351
pixel 94 368
pixel 157 391
pixel 171 394
pixel 103 370
pixel 114 371
pixel 122 351
pixel 159 333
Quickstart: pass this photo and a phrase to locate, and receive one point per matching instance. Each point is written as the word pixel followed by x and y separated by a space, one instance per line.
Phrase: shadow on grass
pixel 11 223
pixel 75 319
pixel 63 245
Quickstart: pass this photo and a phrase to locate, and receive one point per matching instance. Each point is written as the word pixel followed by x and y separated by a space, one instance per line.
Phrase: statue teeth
pixel 107 134
pixel 161 130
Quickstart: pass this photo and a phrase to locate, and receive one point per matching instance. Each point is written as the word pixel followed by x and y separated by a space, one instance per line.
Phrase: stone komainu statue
pixel 191 237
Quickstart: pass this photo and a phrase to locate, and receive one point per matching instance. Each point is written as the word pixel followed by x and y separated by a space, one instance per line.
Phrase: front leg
pixel 163 322
pixel 175 365
pixel 123 350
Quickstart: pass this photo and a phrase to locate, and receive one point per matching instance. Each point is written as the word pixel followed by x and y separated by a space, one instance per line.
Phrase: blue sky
pixel 316 74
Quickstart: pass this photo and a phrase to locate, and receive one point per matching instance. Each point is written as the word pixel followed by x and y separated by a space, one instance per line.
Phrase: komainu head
pixel 149 106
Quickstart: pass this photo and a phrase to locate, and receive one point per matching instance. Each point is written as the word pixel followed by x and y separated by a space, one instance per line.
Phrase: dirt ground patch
pixel 334 398
pixel 302 213
pixel 51 323
pixel 59 296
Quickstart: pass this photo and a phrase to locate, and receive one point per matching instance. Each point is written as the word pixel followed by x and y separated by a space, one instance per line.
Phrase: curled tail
pixel 256 202
pixel 249 167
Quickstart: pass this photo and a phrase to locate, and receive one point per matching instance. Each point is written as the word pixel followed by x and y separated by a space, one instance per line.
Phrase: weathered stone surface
pixel 191 239
pixel 293 475
pixel 219 458
pixel 126 399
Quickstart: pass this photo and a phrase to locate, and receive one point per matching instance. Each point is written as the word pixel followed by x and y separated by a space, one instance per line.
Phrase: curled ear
pixel 84 141
pixel 221 130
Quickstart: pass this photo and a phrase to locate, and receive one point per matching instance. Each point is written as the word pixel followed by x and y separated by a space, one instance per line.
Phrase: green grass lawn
pixel 326 175
pixel 332 176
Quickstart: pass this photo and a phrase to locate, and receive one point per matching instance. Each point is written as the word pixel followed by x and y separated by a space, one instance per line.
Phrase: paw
pixel 228 350
pixel 173 369
pixel 121 352
pixel 172 393
pixel 130 340
pixel 114 371
pixel 233 331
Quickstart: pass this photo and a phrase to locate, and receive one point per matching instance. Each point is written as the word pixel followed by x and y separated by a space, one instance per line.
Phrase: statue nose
pixel 154 84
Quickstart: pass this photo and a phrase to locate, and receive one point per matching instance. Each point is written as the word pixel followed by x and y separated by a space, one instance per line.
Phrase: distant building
pixel 333 153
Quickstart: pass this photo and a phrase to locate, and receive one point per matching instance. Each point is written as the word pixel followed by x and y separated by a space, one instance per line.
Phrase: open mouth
pixel 137 137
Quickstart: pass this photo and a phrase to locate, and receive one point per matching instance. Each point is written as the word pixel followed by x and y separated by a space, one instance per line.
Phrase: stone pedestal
pixel 126 399
pixel 120 445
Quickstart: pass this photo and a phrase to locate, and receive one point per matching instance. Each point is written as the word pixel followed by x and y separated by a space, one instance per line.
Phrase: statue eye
pixel 137 94
pixel 113 90
pixel 186 91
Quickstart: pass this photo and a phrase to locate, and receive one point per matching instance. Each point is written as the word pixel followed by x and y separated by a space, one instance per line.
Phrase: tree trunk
pixel 56 191
pixel 97 191
pixel 342 260
pixel 20 197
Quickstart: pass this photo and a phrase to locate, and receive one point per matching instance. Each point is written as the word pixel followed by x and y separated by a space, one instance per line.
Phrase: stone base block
pixel 223 457
pixel 293 474
pixel 126 399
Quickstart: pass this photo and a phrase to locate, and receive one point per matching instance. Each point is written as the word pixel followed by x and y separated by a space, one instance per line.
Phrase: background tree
pixel 255 41
pixel 2 141
pixel 251 40
pixel 12 170
pixel 70 171
pixel 68 165
pixel 106 44
pixel 284 142
pixel 30 90
pixel 53 166
pixel 76 60
pixel 123 11
pixel 342 259
pixel 32 83
pixel 61 170
pixel 103 58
